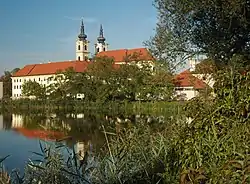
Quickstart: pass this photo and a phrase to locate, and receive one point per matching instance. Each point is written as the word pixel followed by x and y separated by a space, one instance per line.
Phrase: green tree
pixel 217 28
pixel 7 82
pixel 32 88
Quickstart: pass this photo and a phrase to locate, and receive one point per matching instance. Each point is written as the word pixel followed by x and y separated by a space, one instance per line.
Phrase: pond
pixel 20 134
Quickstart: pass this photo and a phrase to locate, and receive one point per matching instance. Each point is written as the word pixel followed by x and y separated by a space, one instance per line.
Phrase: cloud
pixel 85 19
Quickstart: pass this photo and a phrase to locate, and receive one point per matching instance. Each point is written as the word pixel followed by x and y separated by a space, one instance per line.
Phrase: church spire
pixel 101 38
pixel 82 35
pixel 101 45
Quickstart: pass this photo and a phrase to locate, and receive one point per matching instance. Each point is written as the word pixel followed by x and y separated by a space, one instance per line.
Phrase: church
pixel 42 72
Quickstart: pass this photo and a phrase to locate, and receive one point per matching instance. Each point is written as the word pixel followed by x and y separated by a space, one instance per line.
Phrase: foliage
pixel 104 82
pixel 52 167
pixel 32 88
pixel 7 85
pixel 219 29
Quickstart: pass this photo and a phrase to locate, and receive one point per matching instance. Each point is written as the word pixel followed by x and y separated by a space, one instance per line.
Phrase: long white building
pixel 42 73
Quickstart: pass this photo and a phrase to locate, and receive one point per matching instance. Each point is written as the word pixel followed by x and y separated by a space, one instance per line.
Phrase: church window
pixel 79 47
pixel 98 49
pixel 79 58
pixel 85 47
pixel 104 49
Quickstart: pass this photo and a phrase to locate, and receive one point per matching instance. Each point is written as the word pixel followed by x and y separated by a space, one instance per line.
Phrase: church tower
pixel 101 45
pixel 82 44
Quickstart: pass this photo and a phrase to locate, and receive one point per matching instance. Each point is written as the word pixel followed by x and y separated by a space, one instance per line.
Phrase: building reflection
pixel 17 121
pixel 1 122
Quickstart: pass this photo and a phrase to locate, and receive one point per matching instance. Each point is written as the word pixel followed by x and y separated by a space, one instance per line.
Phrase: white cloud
pixel 85 19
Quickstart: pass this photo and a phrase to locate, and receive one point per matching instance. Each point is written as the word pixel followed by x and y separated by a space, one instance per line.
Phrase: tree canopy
pixel 105 81
pixel 217 28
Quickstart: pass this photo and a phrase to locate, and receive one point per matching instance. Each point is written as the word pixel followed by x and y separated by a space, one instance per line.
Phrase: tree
pixel 7 83
pixel 217 28
pixel 32 88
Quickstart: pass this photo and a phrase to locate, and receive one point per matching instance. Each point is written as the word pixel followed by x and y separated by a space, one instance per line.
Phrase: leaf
pixel 36 166
pixel 39 154
pixel 2 159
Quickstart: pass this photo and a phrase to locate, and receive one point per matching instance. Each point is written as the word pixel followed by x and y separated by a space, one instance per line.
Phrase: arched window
pixel 98 49
pixel 85 47
pixel 104 49
pixel 79 58
pixel 79 47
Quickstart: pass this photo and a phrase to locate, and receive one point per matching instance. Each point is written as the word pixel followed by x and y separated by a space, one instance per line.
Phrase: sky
pixel 35 31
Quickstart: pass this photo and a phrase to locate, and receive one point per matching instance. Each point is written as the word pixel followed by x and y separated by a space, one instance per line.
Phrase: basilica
pixel 41 72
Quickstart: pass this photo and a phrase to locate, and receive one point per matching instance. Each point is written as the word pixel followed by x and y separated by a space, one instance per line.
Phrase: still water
pixel 20 134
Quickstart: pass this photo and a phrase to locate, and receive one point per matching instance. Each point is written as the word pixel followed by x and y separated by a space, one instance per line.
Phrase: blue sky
pixel 35 31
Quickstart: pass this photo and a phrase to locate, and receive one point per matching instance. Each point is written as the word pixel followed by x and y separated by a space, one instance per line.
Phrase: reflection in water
pixel 1 122
pixel 80 131
pixel 17 121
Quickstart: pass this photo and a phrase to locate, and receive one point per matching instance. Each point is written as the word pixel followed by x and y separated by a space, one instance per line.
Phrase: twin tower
pixel 82 44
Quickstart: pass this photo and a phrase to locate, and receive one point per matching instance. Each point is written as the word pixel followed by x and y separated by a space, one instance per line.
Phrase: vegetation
pixel 7 85
pixel 211 148
pixel 102 83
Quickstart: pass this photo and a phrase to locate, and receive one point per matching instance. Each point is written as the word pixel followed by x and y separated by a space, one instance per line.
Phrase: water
pixel 20 134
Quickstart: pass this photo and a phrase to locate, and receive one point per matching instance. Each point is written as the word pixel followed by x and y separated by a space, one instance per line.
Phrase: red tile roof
pixel 127 54
pixel 51 68
pixel 186 79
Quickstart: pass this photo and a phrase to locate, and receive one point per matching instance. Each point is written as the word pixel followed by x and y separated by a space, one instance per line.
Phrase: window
pixel 14 80
pixel 98 49
pixel 17 87
pixel 104 49
pixel 86 58
pixel 79 47
pixel 24 80
pixel 79 58
pixel 14 87
pixel 20 80
pixel 85 47
pixel 39 79
pixel 34 79
pixel 20 87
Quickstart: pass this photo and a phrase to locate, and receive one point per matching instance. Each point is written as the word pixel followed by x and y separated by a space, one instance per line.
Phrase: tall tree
pixel 217 28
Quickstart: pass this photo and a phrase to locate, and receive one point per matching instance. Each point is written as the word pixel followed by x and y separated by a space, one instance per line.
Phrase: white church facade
pixel 43 72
